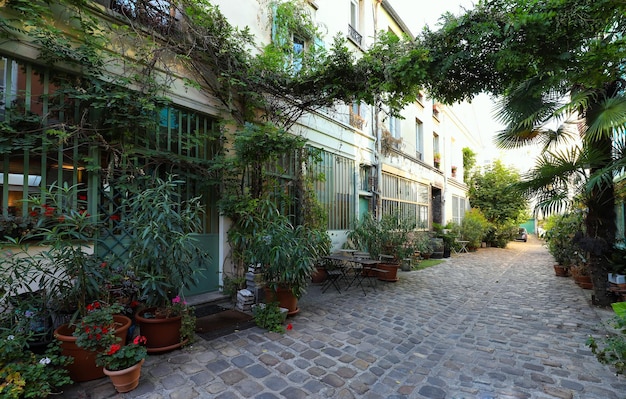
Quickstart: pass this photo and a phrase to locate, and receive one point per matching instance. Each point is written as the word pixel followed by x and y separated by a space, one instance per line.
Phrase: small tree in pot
pixel 286 253
pixel 165 257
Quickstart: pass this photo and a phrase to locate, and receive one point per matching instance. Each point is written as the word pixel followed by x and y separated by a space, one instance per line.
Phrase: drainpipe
pixel 377 155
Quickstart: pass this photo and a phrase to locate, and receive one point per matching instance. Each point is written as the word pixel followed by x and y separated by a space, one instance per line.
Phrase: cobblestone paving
pixel 493 324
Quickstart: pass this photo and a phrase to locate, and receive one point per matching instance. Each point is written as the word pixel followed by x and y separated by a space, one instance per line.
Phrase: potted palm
pixel 165 259
pixel 286 253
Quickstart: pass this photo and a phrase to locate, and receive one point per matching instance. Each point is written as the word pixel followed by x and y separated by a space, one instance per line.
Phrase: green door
pixel 209 277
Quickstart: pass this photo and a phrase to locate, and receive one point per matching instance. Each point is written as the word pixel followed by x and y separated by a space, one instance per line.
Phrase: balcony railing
pixel 354 35
pixel 160 15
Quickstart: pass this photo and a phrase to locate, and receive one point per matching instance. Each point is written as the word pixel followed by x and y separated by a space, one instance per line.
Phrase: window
pixel 395 127
pixel 356 118
pixel 406 197
pixel 336 191
pixel 355 22
pixel 458 208
pixel 420 97
pixel 436 152
pixel 34 100
pixel 298 53
pixel 366 182
pixel 419 140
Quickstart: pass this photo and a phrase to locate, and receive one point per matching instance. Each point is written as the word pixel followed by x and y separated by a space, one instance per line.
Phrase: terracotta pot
pixel 162 334
pixel 125 380
pixel 584 281
pixel 560 270
pixel 319 276
pixel 285 298
pixel 392 272
pixel 84 366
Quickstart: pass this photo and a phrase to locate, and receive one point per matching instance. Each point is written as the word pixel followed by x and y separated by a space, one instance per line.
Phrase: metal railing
pixel 354 35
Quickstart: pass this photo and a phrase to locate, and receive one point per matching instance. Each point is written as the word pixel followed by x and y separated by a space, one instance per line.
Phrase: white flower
pixel 10 337
pixel 45 360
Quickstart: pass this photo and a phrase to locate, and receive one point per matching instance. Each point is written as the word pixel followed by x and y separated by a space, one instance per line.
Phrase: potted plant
pixel 437 160
pixel 122 363
pixel 560 239
pixel 89 335
pixel 63 267
pixel 287 254
pixel 165 259
pixel 25 374
pixel 423 244
pixel 387 239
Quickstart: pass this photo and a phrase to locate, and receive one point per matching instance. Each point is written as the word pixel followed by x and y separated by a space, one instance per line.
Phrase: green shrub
pixel 270 317
pixel 559 236
pixel 474 226
pixel 612 349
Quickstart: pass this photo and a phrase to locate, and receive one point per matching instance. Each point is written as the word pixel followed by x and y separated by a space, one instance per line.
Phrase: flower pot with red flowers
pixel 100 327
pixel 165 259
pixel 122 363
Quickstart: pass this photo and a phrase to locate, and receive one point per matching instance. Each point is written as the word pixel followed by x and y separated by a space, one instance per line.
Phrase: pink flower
pixel 176 299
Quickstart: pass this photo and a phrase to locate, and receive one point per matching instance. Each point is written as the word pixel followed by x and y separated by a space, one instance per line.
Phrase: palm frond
pixel 611 116
pixel 530 115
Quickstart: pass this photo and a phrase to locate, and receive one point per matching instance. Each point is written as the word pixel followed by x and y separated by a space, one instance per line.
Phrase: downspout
pixel 377 154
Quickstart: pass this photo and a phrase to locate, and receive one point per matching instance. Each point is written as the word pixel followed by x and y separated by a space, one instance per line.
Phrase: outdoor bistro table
pixel 352 270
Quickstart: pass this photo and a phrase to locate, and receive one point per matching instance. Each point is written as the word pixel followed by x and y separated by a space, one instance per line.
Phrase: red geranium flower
pixel 140 340
pixel 114 348
pixel 289 326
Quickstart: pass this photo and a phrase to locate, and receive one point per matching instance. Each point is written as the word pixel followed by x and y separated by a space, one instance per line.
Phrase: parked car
pixel 522 235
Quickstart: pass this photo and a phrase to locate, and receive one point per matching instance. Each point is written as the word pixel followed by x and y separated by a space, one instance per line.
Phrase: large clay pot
pixel 84 366
pixel 125 380
pixel 285 298
pixel 560 270
pixel 319 276
pixel 584 281
pixel 391 269
pixel 162 334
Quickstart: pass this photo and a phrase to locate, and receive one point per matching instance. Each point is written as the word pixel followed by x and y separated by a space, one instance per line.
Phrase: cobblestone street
pixel 496 323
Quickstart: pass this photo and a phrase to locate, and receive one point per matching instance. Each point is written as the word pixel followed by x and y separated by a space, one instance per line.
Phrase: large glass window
pixel 32 160
pixel 336 190
pixel 407 198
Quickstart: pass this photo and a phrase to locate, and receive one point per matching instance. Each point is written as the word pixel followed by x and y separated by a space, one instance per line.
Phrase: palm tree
pixel 583 153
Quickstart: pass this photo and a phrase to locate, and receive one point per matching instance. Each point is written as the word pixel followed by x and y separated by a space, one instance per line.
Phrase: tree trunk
pixel 600 221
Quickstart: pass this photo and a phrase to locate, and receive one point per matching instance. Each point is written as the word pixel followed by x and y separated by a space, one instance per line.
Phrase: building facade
pixel 373 162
